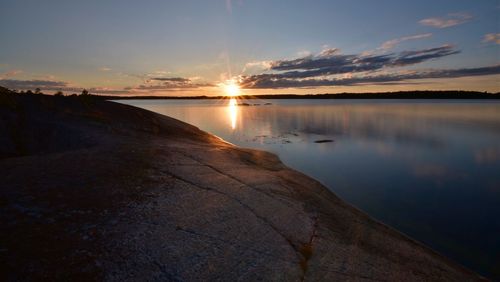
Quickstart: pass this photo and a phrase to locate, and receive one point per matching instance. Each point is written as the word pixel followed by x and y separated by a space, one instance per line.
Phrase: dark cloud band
pixel 32 84
pixel 329 68
pixel 270 81
pixel 331 63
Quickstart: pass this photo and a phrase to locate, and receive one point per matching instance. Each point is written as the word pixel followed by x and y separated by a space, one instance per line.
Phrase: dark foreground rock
pixel 94 190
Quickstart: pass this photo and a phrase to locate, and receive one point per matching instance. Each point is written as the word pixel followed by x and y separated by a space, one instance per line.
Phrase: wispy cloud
pixel 10 73
pixel 150 84
pixel 158 83
pixel 304 53
pixel 170 83
pixel 448 21
pixel 332 62
pixel 492 38
pixel 171 79
pixel 48 86
pixel 332 68
pixel 105 69
pixel 256 66
pixel 32 84
pixel 158 73
pixel 390 44
pixel 272 81
pixel 419 56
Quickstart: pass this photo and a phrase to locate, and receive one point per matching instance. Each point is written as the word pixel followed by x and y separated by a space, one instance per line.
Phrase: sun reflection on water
pixel 233 112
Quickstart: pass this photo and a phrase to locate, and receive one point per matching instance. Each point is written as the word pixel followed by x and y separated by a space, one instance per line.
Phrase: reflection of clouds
pixel 493 187
pixel 384 149
pixel 361 122
pixel 417 124
pixel 487 156
pixel 437 172
pixel 430 170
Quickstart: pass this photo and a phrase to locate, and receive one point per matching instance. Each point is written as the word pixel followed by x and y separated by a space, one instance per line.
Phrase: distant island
pixel 374 95
pixel 427 94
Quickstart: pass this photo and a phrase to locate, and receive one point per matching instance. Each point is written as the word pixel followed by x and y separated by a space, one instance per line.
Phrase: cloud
pixel 157 84
pixel 51 86
pixel 274 81
pixel 45 77
pixel 492 37
pixel 158 73
pixel 329 52
pixel 449 21
pixel 105 69
pixel 171 79
pixel 10 73
pixel 153 84
pixel 256 66
pixel 105 90
pixel 419 56
pixel 304 53
pixel 168 86
pixel 390 44
pixel 32 84
pixel 330 62
pixel 170 83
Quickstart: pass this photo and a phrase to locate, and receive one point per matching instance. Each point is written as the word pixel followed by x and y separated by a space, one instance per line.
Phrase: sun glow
pixel 231 88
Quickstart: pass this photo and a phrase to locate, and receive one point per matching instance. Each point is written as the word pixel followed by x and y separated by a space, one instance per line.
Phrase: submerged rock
pixel 323 141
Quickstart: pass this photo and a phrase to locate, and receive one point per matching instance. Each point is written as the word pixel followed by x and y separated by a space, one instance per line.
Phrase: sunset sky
pixel 290 46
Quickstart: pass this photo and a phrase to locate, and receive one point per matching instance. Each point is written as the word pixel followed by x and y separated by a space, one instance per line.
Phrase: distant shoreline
pixel 409 95
pixel 467 95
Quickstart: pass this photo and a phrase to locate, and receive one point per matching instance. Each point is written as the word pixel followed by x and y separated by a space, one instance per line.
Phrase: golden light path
pixel 233 112
pixel 232 90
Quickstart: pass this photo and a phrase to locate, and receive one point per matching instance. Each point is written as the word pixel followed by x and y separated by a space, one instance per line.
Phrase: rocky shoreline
pixel 96 190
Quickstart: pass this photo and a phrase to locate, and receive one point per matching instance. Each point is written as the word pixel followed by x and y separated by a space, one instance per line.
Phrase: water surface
pixel 430 169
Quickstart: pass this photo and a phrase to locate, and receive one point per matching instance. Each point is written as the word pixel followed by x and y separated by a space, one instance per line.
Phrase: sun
pixel 231 88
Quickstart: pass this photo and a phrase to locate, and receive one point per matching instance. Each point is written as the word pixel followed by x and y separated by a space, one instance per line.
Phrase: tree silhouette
pixel 85 92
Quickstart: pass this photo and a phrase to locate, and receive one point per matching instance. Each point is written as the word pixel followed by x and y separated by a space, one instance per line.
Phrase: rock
pixel 323 141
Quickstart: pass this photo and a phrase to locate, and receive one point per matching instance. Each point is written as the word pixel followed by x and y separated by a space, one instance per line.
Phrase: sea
pixel 428 168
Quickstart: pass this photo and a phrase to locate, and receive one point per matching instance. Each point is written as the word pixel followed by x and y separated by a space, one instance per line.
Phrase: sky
pixel 188 47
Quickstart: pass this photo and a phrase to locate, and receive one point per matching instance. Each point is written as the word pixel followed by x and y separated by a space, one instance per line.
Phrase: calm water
pixel 431 169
